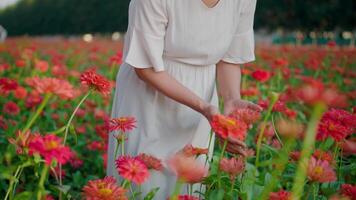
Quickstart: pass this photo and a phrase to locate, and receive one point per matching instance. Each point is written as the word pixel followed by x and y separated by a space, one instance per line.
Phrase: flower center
pixel 318 171
pixel 105 192
pixel 51 145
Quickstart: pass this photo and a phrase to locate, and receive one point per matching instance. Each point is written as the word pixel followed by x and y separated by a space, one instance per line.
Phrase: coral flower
pixel 50 147
pixel 228 127
pixel 123 124
pixel 349 191
pixel 132 169
pixel 280 195
pixel 232 166
pixel 187 169
pixel 151 162
pixel 93 80
pixel 189 150
pixel 320 171
pixel 246 115
pixel 11 108
pixel 261 75
pixel 104 189
pixel 59 87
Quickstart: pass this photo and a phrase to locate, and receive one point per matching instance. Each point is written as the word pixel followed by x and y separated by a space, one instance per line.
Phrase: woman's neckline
pixel 210 8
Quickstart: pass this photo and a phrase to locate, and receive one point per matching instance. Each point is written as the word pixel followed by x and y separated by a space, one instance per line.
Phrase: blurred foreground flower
pixel 132 169
pixel 104 189
pixel 189 150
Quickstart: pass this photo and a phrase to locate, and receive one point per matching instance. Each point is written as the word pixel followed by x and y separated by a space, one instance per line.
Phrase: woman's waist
pixel 170 61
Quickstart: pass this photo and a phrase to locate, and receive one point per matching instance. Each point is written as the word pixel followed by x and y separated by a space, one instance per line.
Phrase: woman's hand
pixel 234 146
pixel 231 104
pixel 209 111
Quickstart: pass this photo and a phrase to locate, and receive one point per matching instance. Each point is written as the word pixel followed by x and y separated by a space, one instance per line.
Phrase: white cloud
pixel 4 3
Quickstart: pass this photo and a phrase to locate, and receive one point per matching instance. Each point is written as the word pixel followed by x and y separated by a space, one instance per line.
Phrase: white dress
pixel 186 39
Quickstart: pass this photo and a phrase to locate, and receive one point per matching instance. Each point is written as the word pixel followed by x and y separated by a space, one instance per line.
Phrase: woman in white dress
pixel 174 53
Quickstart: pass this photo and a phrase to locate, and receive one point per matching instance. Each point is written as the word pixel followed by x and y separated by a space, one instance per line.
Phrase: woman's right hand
pixel 209 111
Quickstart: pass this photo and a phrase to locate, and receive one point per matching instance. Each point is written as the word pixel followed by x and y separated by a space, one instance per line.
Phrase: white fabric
pixel 186 39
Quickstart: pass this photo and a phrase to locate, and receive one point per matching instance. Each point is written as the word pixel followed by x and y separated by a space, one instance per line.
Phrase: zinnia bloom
pixel 349 191
pixel 232 166
pixel 337 124
pixel 151 162
pixel 8 84
pixel 93 80
pixel 320 171
pixel 123 124
pixel 261 75
pixel 116 59
pixel 50 147
pixel 187 169
pixel 11 108
pixel 228 127
pixel 59 87
pixel 289 129
pixel 132 169
pixel 104 189
pixel 322 155
pixel 189 150
pixel 280 195
pixel 22 140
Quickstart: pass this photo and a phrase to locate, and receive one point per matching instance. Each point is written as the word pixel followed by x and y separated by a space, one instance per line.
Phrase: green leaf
pixel 72 131
pixel 151 194
pixel 23 196
pixel 217 194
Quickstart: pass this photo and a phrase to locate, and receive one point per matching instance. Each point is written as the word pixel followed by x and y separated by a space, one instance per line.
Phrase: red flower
pixel 261 75
pixel 20 63
pixel 187 169
pixel 349 191
pixel 337 124
pixel 104 189
pixel 50 147
pixel 151 162
pixel 7 84
pixel 20 93
pixel 93 80
pixel 11 108
pixel 280 63
pixel 320 171
pixel 132 169
pixel 41 65
pixel 232 166
pixel 322 155
pixel 46 85
pixel 116 59
pixel 228 127
pixel 123 124
pixel 280 195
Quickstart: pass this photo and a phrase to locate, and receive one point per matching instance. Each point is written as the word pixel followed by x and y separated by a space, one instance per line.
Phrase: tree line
pixel 46 17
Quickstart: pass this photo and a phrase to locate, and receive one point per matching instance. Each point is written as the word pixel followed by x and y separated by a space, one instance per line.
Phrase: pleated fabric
pixel 186 39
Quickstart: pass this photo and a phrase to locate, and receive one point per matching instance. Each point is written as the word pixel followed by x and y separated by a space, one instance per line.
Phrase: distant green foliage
pixel 38 17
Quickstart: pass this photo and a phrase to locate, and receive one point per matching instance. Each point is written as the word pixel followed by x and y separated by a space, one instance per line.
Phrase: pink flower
pixel 320 171
pixel 123 124
pixel 151 162
pixel 189 150
pixel 232 166
pixel 187 169
pixel 93 80
pixel 50 147
pixel 280 195
pixel 41 65
pixel 132 169
pixel 104 189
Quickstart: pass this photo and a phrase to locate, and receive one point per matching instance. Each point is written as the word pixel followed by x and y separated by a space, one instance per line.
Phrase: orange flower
pixel 320 171
pixel 123 124
pixel 59 87
pixel 132 169
pixel 233 166
pixel 151 162
pixel 228 127
pixel 189 150
pixel 187 169
pixel 104 189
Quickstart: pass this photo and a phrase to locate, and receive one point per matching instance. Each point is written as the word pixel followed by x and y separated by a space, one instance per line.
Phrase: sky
pixel 4 3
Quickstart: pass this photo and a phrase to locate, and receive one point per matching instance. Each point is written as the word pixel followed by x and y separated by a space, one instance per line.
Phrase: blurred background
pixel 276 21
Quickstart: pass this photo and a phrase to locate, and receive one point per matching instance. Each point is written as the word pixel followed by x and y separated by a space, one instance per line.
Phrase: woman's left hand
pixel 231 104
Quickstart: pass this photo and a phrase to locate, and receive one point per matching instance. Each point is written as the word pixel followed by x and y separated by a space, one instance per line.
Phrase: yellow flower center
pixel 318 171
pixel 51 145
pixel 227 122
pixel 105 192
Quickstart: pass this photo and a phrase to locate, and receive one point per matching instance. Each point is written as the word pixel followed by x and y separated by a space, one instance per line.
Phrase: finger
pixel 236 142
pixel 254 107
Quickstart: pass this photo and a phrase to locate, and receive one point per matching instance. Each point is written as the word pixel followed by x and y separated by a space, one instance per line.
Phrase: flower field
pixel 55 119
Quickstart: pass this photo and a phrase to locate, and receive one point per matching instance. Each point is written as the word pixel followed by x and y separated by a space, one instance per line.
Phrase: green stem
pixel 132 192
pixel 176 191
pixel 220 157
pixel 12 182
pixel 123 145
pixel 264 124
pixel 308 145
pixel 38 112
pixel 41 187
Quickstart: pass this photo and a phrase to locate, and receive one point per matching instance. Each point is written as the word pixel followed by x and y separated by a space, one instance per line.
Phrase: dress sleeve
pixel 242 47
pixel 144 39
